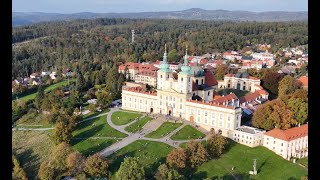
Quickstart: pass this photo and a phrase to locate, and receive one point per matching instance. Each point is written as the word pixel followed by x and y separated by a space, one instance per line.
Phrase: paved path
pixel 31 129
pixel 146 129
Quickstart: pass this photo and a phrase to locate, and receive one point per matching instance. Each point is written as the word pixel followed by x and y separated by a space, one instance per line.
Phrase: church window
pixel 180 106
pixel 181 79
pixel 160 76
pixel 206 113
pixel 201 81
pixel 208 93
pixel 188 79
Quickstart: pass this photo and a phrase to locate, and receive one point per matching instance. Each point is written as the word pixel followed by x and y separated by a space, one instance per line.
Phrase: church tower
pixel 164 72
pixel 184 77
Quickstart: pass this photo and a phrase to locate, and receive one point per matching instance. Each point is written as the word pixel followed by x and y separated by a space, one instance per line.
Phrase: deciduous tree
pixel 177 158
pixel 165 173
pixel 216 145
pixel 288 85
pixel 196 153
pixel 130 168
pixel 96 166
pixel 18 173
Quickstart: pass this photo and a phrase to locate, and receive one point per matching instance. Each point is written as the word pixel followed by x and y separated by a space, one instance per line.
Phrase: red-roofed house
pixel 303 80
pixel 288 143
pixel 157 64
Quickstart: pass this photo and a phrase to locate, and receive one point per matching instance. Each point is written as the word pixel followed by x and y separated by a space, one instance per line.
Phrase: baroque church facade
pixel 188 94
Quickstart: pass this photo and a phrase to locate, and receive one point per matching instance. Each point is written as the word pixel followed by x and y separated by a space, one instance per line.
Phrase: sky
pixel 120 6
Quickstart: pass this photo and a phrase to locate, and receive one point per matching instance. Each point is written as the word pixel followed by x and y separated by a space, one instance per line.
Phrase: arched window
pixel 160 76
pixel 181 79
pixel 208 93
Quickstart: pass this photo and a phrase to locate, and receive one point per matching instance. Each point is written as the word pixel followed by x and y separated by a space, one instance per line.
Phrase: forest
pixel 94 44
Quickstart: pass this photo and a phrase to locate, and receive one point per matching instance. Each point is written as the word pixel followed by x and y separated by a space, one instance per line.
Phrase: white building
pixel 288 143
pixel 248 136
pixel 241 81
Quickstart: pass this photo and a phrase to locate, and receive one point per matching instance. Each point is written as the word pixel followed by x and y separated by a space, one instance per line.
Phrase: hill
pixel 21 18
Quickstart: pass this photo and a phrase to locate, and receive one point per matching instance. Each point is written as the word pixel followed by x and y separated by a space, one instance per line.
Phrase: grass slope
pixel 122 117
pixel 163 130
pixel 91 114
pixel 47 89
pixel 269 165
pixel 138 125
pixel 150 155
pixel 96 127
pixel 186 133
pixel 303 161
pixel 31 148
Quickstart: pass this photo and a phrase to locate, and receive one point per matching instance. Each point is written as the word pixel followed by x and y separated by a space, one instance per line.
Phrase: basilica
pixel 188 94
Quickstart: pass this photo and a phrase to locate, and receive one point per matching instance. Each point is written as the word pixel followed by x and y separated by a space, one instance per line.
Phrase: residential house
pixel 34 75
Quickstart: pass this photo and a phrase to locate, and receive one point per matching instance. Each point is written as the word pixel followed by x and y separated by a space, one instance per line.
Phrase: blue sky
pixel 73 6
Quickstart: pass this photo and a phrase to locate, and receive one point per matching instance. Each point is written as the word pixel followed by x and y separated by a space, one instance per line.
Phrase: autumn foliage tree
pixel 177 158
pixel 271 80
pixel 220 71
pixel 75 163
pixel 96 166
pixel 64 128
pixel 288 85
pixel 274 114
pixel 216 145
pixel 196 153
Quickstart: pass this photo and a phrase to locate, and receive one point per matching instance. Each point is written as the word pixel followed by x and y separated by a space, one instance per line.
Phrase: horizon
pixel 126 6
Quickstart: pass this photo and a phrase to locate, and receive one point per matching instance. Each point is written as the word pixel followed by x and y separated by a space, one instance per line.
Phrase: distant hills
pixel 22 18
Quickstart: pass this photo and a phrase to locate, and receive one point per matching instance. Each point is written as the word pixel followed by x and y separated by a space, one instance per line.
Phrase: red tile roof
pixel 203 61
pixel 228 97
pixel 252 96
pixel 289 134
pixel 303 80
pixel 209 79
pixel 190 58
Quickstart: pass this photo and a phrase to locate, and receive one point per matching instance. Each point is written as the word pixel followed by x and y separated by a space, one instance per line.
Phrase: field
pixel 122 117
pixel 138 125
pixel 31 148
pixel 97 127
pixel 186 133
pixel 47 89
pixel 150 155
pixel 241 157
pixel 163 130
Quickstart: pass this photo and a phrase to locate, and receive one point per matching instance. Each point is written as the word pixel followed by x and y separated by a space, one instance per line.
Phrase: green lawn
pixel 47 89
pixel 90 146
pixel 149 153
pixel 186 133
pixel 138 125
pixel 91 114
pixel 303 161
pixel 163 130
pixel 31 148
pixel 97 127
pixel 33 120
pixel 238 93
pixel 122 117
pixel 269 165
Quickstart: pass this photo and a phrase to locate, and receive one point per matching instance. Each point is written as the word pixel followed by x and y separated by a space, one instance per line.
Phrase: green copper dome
pixel 164 67
pixel 185 69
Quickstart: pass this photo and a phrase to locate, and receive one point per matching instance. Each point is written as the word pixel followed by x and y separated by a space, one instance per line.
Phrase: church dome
pixel 185 69
pixel 238 75
pixel 245 75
